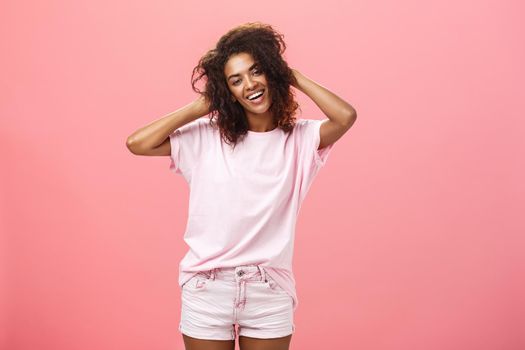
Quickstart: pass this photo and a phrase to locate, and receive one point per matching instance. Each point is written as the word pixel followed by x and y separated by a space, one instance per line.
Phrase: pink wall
pixel 411 237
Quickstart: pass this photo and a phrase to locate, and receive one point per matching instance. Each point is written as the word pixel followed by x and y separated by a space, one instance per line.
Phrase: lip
pixel 260 100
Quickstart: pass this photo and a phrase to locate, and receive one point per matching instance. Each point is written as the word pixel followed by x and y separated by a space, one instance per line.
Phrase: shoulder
pixel 308 123
pixel 199 125
pixel 305 126
pixel 202 122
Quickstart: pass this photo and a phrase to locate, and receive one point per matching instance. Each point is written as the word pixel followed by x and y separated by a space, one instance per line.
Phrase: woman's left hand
pixel 296 78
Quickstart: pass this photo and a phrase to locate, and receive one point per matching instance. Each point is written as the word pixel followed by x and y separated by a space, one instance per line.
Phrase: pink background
pixel 411 236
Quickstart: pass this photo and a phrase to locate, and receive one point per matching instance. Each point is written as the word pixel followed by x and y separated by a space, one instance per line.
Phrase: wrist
pixel 200 107
pixel 298 79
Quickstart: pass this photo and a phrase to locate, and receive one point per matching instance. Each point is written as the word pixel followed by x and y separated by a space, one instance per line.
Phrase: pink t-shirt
pixel 244 202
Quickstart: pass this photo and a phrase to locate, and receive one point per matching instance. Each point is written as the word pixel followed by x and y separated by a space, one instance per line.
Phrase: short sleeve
pixel 310 139
pixel 187 144
pixel 310 159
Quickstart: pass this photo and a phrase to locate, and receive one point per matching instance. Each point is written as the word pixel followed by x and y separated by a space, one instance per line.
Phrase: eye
pixel 257 71
pixel 235 82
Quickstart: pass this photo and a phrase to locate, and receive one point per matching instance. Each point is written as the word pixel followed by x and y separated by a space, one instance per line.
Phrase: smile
pixel 257 97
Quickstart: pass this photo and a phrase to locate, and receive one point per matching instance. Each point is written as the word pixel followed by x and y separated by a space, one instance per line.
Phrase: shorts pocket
pixel 197 282
pixel 274 286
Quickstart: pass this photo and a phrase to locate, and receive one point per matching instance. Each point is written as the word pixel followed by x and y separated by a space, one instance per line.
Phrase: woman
pixel 249 167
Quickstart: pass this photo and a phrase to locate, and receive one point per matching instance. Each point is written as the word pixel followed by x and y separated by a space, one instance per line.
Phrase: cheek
pixel 232 90
pixel 237 92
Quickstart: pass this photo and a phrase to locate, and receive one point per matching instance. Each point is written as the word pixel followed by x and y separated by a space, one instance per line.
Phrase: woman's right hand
pixel 201 106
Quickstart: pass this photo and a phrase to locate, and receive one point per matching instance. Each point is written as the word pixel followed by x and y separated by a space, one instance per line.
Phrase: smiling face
pixel 244 78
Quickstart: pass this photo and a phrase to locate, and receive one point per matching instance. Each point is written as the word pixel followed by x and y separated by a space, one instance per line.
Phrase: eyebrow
pixel 236 75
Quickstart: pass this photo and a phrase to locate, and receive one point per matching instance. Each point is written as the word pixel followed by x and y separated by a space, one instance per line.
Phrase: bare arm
pixel 153 139
pixel 341 115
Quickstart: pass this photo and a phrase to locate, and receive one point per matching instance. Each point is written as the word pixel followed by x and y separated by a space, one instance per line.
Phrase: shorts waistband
pixel 242 272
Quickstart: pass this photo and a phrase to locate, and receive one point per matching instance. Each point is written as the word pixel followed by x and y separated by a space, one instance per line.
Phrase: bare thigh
pixel 248 343
pixel 205 344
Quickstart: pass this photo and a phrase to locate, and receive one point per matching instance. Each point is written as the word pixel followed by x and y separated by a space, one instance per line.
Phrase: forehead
pixel 238 63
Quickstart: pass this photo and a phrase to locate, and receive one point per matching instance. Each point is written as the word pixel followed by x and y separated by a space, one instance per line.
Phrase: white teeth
pixel 254 96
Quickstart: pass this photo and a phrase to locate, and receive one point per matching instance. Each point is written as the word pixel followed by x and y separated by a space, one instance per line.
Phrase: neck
pixel 260 123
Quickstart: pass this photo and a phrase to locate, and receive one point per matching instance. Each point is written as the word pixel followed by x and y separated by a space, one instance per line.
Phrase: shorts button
pixel 240 273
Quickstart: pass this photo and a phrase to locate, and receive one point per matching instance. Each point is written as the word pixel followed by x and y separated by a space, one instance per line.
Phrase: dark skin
pixel 245 343
pixel 242 82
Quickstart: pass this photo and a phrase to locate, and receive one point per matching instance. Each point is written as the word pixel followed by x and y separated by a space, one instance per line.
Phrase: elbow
pixel 351 117
pixel 352 113
pixel 132 146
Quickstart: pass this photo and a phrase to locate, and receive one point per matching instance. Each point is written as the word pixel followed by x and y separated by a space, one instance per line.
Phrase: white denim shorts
pixel 214 302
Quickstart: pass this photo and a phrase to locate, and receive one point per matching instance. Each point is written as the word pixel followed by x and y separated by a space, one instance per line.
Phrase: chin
pixel 260 111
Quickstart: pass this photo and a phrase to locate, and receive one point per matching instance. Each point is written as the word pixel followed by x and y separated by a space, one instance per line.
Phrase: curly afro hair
pixel 266 46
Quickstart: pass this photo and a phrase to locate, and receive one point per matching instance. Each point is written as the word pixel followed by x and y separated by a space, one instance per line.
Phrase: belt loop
pixel 212 276
pixel 262 272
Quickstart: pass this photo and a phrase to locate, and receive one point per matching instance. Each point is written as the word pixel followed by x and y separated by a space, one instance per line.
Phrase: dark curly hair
pixel 266 46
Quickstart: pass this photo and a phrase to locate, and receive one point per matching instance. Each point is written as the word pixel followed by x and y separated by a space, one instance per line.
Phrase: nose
pixel 250 83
